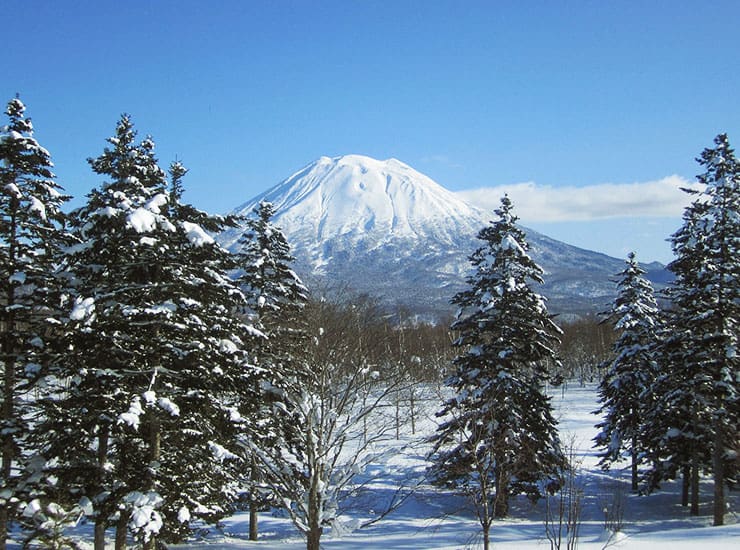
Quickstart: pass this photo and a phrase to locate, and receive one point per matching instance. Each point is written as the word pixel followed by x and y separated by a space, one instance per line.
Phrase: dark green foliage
pixel 499 436
pixel 631 371
pixel 31 235
pixel 158 361
pixel 276 299
pixel 696 410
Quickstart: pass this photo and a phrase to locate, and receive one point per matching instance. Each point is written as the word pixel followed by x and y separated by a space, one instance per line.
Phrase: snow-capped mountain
pixel 382 228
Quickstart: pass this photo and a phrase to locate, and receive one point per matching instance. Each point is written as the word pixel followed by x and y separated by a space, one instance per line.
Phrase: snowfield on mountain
pixel 385 229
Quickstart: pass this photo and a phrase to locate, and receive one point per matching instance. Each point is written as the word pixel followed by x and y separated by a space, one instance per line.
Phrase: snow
pixel 35 205
pixel 196 234
pixel 183 515
pixel 434 519
pixel 227 346
pixel 12 189
pixel 142 220
pixel 221 453
pixel 144 516
pixel 82 309
pixel 354 195
pixel 133 416
pixel 18 278
pixel 510 243
pixel 168 406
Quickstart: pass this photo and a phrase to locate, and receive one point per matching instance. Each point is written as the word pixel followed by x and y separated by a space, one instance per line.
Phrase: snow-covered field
pixel 433 519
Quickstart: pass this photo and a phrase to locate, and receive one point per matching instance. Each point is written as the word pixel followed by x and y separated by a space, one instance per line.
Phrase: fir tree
pixel 499 437
pixel 276 295
pixel 31 235
pixel 158 354
pixel 631 371
pixel 672 443
pixel 276 300
pixel 700 391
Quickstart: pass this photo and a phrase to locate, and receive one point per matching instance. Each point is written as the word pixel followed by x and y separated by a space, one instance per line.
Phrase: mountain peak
pixel 365 199
pixel 381 227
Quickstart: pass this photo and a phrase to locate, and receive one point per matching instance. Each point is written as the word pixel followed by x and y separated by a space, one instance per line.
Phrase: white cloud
pixel 545 203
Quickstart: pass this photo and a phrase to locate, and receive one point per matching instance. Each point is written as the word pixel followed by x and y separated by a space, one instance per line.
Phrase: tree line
pixel 669 394
pixel 154 382
pixel 668 386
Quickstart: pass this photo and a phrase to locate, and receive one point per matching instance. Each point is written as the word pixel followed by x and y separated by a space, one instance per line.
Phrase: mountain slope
pixel 382 228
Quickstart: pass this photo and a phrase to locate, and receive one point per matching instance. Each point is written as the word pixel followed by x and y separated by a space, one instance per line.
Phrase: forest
pixel 154 383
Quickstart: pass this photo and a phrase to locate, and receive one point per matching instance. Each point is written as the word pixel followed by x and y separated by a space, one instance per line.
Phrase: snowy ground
pixel 432 519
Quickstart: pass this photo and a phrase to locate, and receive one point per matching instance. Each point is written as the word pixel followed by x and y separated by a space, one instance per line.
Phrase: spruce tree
pixel 631 370
pixel 276 295
pixel 31 235
pixel 276 298
pixel 158 359
pixel 701 350
pixel 672 443
pixel 499 436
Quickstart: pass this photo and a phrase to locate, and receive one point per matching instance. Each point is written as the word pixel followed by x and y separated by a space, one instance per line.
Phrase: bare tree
pixel 326 443
pixel 563 510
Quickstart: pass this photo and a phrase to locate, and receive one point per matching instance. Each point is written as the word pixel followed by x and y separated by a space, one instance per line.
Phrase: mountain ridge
pixel 385 229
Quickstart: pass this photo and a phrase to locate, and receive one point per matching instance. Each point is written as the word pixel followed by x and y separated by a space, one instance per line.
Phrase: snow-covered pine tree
pixel 31 235
pixel 707 304
pixel 499 436
pixel 275 293
pixel 276 300
pixel 209 371
pixel 672 443
pixel 157 357
pixel 631 370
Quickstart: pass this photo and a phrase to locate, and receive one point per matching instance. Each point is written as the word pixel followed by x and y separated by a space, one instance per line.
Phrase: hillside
pixel 385 229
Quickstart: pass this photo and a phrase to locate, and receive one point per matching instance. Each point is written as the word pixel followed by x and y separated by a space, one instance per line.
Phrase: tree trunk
pixel 155 451
pixel 486 537
pixel 101 520
pixel 413 413
pixel 633 453
pixel 685 485
pixel 253 504
pixel 719 478
pixel 694 485
pixel 8 446
pixel 99 534
pixel 313 540
pixel 3 527
pixel 122 530
pixel 501 501
pixel 253 530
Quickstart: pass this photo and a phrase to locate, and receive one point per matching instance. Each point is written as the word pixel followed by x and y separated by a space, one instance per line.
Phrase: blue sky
pixel 561 96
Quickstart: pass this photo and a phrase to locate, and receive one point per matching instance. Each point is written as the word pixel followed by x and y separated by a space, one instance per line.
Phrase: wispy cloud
pixel 545 203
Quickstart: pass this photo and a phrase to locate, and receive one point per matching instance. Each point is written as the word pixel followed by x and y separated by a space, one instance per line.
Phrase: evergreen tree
pixel 31 235
pixel 158 354
pixel 499 436
pixel 672 442
pixel 631 371
pixel 701 394
pixel 276 295
pixel 276 299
